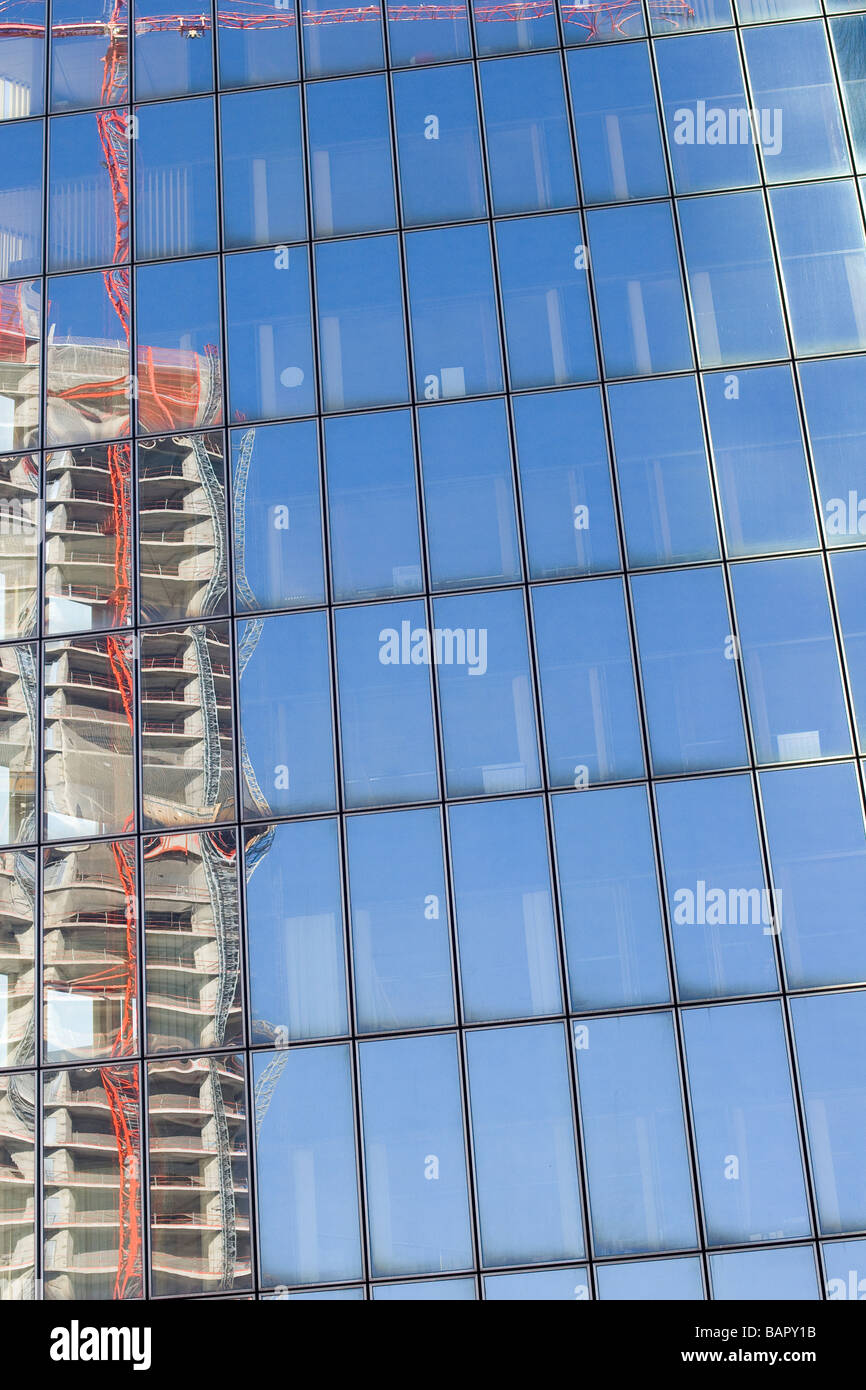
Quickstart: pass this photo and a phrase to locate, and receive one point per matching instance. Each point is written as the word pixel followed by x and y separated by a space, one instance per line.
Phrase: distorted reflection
pixel 200 1223
pixel 182 520
pixel 20 337
pixel 90 935
pixel 92 1176
pixel 88 541
pixel 17 958
pixel 18 714
pixel 187 753
pixel 17 1188
pixel 87 357
pixel 192 941
pixel 88 736
pixel 19 544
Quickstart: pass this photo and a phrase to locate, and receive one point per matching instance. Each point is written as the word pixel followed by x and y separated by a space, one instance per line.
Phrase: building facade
pixel 432 650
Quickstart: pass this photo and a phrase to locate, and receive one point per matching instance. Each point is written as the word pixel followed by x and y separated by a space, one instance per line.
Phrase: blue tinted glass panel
pixel 453 310
pixel 523 1129
pixel 834 394
pixel 756 1275
pixel 362 336
pixel 614 938
pixel 505 928
pixel 307 1188
pixel 550 1285
pixel 351 176
pixel 415 1155
pixel 78 170
pixel 849 582
pixel 545 298
pixel 386 714
pixel 295 932
pixel 401 951
pixel 469 495
pixel 819 230
pixel 618 140
pixel 262 52
pixel 796 703
pixel 801 132
pixel 441 176
pixel 752 1184
pixel 703 96
pixel 528 148
pixel 372 505
pixel 688 671
pixel 271 370
pixel 333 48
pixel 634 1136
pixel 426 1291
pixel 722 915
pixel 21 197
pixel 262 168
pixel 654 1280
pixel 817 843
pixel 565 484
pixel 175 179
pixel 485 691
pixel 591 728
pixel 664 479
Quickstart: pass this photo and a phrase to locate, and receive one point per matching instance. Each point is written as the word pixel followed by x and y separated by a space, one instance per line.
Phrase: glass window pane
pixel 287 736
pixel 21 197
pixel 307 1186
pixel 22 57
pixel 703 95
pixel 18 1254
pixel 362 332
pixel 823 253
pixel 582 24
pixel 294 917
pixel 611 913
pixel 848 40
pixel 262 166
pixel 373 505
pixel 676 1280
pixel 469 495
pixel 426 1290
pixel 545 298
pixel 565 484
pixel 350 155
pixel 722 916
pixel 752 1184
pixel 802 136
pixel 21 314
pixel 85 70
pixel 89 736
pixel 505 927
pixel 332 48
pixel 688 671
pixel 708 14
pixel 199 1209
pixel 179 355
pixel 401 950
pixel 848 568
pixel 528 148
pixel 415 1155
pixel 639 290
pixel 422 40
pixel 441 176
pixel 834 394
pixel 386 713
pixel 790 660
pixel 817 845
pixel 760 461
pixel 732 279
pixel 277 517
pixel 618 140
pixel 87 360
pixel 489 723
pixel 182 527
pixel 192 969
pixel 172 60
pixel 88 551
pixel 754 1275
pixel 175 179
pixel 664 478
pixel 830 1032
pixel 453 311
pixel 18 946
pixel 523 1128
pixel 19 545
pixel 261 52
pixel 496 32
pixel 549 1285
pixel 91 1132
pixel 89 915
pixel 844 1262
pixel 591 727
pixel 640 1192
pixel 271 369
pixel 187 757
